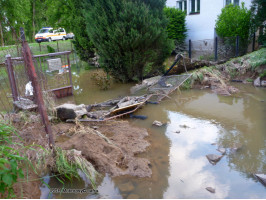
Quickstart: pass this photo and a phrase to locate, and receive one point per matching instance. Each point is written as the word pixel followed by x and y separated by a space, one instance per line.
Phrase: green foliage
pixel 82 43
pixel 258 10
pixel 263 74
pixel 176 27
pixel 68 164
pixel 50 49
pixel 233 21
pixel 9 161
pixel 257 58
pixel 128 36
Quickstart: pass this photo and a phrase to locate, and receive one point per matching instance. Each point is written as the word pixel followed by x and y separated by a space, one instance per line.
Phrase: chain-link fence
pixel 53 70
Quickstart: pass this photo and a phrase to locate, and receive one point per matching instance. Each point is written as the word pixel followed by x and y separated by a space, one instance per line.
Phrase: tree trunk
pixel 1 34
pixel 33 19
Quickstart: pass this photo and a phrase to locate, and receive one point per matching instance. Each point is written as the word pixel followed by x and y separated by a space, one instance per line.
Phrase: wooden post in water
pixel 36 87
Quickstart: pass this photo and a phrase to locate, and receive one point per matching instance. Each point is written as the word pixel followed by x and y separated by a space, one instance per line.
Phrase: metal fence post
pixel 237 46
pixel 254 41
pixel 57 46
pixel 36 87
pixel 40 47
pixel 70 74
pixel 216 49
pixel 189 49
pixel 11 77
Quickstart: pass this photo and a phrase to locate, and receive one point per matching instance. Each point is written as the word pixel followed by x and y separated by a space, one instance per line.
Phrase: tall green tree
pixel 129 35
pixel 234 21
pixel 258 10
pixel 176 27
pixel 71 17
pixel 13 14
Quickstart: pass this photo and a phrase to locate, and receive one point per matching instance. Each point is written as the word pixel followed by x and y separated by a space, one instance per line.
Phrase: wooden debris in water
pixel 210 189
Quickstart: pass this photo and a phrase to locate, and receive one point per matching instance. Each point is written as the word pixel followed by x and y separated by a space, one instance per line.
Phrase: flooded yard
pixel 198 123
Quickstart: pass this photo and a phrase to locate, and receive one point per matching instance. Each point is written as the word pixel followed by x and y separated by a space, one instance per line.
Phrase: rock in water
pixel 70 111
pixel 263 83
pixel 213 159
pixel 210 189
pixel 126 187
pixel 262 178
pixel 157 123
pixel 257 82
pixel 221 150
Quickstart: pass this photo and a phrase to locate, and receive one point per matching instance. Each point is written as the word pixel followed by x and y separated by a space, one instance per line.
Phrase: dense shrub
pixel 233 21
pixel 176 27
pixel 130 36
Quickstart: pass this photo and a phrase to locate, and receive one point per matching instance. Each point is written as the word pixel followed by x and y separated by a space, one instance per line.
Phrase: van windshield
pixel 43 31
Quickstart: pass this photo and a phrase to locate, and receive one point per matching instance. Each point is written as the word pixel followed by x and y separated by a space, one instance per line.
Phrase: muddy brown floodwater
pixel 199 122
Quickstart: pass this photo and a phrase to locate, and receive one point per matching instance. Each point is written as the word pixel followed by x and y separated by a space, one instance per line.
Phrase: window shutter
pixel 198 5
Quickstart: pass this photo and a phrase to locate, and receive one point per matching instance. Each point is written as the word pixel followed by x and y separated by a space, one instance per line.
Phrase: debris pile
pixel 104 111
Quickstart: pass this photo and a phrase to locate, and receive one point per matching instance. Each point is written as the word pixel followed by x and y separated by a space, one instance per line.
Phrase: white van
pixel 49 34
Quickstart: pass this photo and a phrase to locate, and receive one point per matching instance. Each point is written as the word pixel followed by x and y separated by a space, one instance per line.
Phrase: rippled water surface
pixel 198 122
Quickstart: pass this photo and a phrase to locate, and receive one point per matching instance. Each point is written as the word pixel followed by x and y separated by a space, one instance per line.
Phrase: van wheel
pixel 49 40
pixel 64 38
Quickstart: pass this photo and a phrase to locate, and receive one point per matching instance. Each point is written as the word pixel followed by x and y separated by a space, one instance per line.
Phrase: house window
pixel 194 6
pixel 235 2
pixel 182 5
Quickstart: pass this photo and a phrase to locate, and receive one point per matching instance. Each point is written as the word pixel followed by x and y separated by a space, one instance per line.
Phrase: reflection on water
pixel 179 164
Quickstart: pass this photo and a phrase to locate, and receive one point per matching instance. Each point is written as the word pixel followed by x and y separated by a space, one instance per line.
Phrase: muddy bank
pixel 112 147
pixel 112 150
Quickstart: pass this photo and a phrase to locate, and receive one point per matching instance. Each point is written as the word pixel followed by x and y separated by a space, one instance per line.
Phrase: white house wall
pixel 201 26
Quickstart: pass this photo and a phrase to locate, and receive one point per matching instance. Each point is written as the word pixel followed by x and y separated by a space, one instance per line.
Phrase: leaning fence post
pixel 216 49
pixel 189 49
pixel 36 87
pixel 237 46
pixel 11 77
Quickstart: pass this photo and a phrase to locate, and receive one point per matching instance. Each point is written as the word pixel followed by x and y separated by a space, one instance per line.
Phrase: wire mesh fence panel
pixel 226 48
pixel 50 47
pixel 5 91
pixel 14 51
pixel 166 85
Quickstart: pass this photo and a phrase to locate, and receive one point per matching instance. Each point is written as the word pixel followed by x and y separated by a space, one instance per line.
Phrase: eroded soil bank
pixel 113 147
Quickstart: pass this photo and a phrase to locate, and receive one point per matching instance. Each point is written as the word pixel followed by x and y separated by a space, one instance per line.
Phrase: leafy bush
pixel 9 161
pixel 129 36
pixel 101 79
pixel 176 27
pixel 233 21
pixel 50 49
